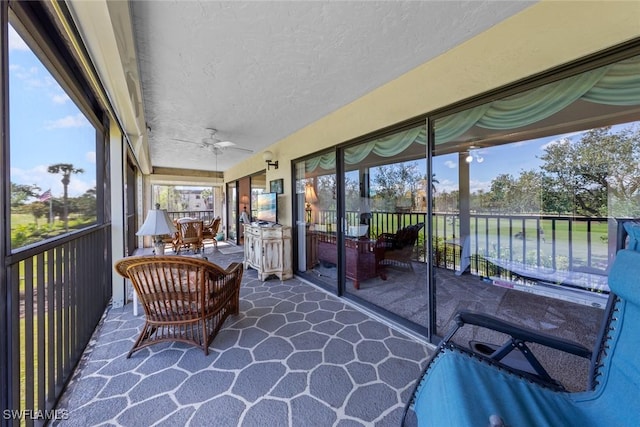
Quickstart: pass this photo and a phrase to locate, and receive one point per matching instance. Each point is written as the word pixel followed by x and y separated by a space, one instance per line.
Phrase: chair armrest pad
pixel 234 266
pixel 490 322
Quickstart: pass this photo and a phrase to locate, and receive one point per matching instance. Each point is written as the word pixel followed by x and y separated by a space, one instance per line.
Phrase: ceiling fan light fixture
pixel 211 139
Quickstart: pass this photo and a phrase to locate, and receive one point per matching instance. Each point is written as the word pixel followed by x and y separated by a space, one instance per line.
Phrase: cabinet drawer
pixel 254 231
pixel 271 233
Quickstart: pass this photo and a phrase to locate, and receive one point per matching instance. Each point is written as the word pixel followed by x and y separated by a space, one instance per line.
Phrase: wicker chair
pixel 170 239
pixel 184 299
pixel 211 230
pixel 189 235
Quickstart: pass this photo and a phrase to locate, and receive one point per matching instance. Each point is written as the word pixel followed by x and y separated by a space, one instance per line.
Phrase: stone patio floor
pixel 294 356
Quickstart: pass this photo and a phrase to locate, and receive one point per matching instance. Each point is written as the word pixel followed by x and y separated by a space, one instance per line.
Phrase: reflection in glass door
pixel 385 203
pixel 317 220
pixel 526 189
pixel 232 212
pixel 385 185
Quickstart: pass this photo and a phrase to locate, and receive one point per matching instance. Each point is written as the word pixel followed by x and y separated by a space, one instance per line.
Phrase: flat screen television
pixel 267 209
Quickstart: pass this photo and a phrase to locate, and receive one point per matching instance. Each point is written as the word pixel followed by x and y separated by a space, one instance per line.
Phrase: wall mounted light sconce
pixel 268 156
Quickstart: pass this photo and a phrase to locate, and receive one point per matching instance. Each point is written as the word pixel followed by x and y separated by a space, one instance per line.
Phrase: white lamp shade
pixel 310 194
pixel 157 223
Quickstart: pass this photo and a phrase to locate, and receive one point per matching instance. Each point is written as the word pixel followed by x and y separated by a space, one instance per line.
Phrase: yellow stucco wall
pixel 547 34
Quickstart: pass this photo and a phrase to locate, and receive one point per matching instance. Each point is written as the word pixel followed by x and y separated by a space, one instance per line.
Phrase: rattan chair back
pixel 184 299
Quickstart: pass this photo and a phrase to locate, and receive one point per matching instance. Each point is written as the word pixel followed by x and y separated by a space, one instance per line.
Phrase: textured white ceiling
pixel 259 71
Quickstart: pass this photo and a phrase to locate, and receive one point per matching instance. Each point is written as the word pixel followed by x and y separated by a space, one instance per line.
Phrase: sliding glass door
pixel 317 223
pixel 385 185
pixel 526 193
pixel 514 216
pixel 381 229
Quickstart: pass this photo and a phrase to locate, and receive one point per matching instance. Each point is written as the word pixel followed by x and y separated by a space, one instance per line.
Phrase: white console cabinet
pixel 267 249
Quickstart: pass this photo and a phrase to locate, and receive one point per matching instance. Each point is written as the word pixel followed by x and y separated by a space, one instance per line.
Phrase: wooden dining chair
pixel 211 230
pixel 190 235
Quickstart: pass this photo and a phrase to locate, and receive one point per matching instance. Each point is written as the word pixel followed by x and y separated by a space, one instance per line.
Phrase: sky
pixel 502 159
pixel 46 127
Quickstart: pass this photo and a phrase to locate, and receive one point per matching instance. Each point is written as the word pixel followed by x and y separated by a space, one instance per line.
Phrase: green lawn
pixel 25 231
pixel 24 219
pixel 529 226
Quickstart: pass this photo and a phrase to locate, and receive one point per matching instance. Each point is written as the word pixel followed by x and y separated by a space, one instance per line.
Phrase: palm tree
pixel 66 170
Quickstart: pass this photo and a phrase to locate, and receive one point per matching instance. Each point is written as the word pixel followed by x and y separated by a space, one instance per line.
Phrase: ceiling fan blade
pixel 211 143
pixel 228 145
pixel 224 144
pixel 246 150
pixel 205 145
pixel 184 140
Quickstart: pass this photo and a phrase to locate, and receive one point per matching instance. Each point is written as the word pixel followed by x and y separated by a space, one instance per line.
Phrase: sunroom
pixel 422 169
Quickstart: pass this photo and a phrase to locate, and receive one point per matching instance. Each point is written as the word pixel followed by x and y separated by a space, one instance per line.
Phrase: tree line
pixel 28 198
pixel 596 176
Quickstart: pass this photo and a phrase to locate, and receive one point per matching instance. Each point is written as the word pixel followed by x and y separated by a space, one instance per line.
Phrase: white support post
pixel 117 170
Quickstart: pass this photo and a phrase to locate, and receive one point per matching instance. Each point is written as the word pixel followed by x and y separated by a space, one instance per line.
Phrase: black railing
pixel 555 242
pixel 203 215
pixel 57 293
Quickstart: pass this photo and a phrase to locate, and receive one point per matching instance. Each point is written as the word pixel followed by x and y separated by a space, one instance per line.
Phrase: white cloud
pixel 77 187
pixel 561 139
pixel 60 98
pixel 445 186
pixel 15 41
pixel 91 156
pixel 23 73
pixel 68 122
pixel 475 185
pixel 558 141
pixel 451 164
pixel 32 77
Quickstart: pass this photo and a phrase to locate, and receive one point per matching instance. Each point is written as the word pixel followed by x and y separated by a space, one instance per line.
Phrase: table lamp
pixel 309 198
pixel 157 224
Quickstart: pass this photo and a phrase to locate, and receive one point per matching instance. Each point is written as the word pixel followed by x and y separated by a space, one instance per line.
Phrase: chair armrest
pixel 493 323
pixel 234 266
pixel 385 240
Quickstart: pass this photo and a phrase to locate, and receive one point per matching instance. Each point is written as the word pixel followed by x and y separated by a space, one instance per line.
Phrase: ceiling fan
pixel 215 145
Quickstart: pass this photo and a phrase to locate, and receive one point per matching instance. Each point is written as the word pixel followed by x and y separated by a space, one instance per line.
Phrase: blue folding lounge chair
pixel 463 388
